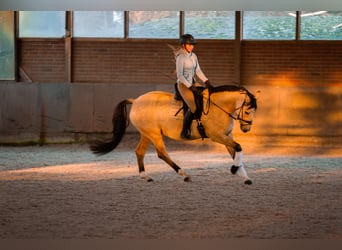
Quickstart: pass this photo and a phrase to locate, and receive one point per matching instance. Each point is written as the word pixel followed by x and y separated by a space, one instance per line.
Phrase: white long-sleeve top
pixel 187 68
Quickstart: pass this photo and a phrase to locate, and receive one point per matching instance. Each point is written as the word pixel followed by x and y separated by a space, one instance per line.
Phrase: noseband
pixel 239 117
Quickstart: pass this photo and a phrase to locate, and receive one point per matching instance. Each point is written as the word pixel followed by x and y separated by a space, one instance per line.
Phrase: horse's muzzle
pixel 245 127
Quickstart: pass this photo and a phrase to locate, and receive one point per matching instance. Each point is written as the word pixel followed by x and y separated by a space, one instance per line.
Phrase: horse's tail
pixel 120 123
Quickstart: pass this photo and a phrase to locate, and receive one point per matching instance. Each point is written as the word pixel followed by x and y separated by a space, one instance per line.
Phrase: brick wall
pixel 292 64
pixel 42 61
pixel 146 62
pixel 120 62
pixel 218 60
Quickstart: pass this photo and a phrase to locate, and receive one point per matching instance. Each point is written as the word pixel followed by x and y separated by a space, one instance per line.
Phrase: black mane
pixel 222 88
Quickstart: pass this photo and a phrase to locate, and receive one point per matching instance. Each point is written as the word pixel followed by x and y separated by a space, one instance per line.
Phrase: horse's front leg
pixel 235 151
pixel 238 166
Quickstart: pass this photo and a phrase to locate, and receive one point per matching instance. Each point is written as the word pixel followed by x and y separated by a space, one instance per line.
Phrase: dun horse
pixel 156 114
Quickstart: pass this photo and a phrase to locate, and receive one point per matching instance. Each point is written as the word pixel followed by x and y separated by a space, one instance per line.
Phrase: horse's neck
pixel 228 100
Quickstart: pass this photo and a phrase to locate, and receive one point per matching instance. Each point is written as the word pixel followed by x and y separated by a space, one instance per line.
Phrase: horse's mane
pixel 234 88
pixel 222 88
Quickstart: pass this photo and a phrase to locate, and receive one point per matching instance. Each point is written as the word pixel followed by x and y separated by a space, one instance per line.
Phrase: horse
pixel 156 115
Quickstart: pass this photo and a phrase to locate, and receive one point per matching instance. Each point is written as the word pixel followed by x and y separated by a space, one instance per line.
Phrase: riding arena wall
pixel 66 90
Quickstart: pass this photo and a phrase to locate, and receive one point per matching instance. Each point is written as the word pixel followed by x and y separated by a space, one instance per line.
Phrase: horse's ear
pixel 257 94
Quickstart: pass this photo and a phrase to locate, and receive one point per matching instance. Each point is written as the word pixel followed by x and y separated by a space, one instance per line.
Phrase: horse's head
pixel 240 102
pixel 247 111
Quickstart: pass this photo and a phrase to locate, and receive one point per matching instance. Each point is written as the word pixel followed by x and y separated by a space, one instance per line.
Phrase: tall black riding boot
pixel 187 124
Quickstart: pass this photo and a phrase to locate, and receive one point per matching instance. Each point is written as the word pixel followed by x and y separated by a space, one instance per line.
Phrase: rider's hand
pixel 193 88
pixel 208 84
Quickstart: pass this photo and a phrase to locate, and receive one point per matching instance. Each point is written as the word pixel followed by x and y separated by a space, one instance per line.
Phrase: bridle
pixel 239 115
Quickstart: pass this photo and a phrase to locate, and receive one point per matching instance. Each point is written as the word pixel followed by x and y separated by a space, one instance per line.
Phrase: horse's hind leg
pixel 140 154
pixel 162 154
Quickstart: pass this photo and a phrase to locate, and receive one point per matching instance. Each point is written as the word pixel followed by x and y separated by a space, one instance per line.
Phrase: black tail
pixel 120 123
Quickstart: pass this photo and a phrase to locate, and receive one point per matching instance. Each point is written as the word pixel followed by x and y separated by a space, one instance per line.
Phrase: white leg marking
pixel 242 172
pixel 238 162
pixel 144 176
pixel 182 173
pixel 238 159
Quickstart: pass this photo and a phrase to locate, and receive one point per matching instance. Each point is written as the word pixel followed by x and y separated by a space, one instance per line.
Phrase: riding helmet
pixel 187 39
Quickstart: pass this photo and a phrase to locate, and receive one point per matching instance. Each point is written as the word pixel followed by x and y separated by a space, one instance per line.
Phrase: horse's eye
pixel 247 112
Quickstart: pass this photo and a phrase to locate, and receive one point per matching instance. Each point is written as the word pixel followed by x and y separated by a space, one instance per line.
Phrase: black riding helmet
pixel 187 39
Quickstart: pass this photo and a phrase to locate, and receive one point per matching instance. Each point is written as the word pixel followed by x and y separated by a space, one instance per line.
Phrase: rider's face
pixel 188 47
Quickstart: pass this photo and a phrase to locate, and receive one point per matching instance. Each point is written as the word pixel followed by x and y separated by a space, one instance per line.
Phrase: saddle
pixel 198 96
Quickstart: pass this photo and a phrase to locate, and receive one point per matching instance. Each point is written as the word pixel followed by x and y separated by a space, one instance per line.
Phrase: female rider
pixel 187 68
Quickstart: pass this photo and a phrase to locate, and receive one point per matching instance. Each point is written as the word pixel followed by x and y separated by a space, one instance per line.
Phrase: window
pixel 153 24
pixel 7 61
pixel 256 25
pixel 321 25
pixel 98 24
pixel 41 23
pixel 210 24
pixel 269 25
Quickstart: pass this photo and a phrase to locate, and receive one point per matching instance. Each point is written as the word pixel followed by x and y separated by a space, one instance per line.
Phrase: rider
pixel 187 67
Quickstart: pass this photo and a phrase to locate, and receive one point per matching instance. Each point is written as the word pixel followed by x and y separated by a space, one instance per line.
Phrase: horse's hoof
pixel 145 177
pixel 248 182
pixel 187 179
pixel 234 169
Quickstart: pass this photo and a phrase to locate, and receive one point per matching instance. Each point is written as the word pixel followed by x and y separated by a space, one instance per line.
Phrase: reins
pixel 237 118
